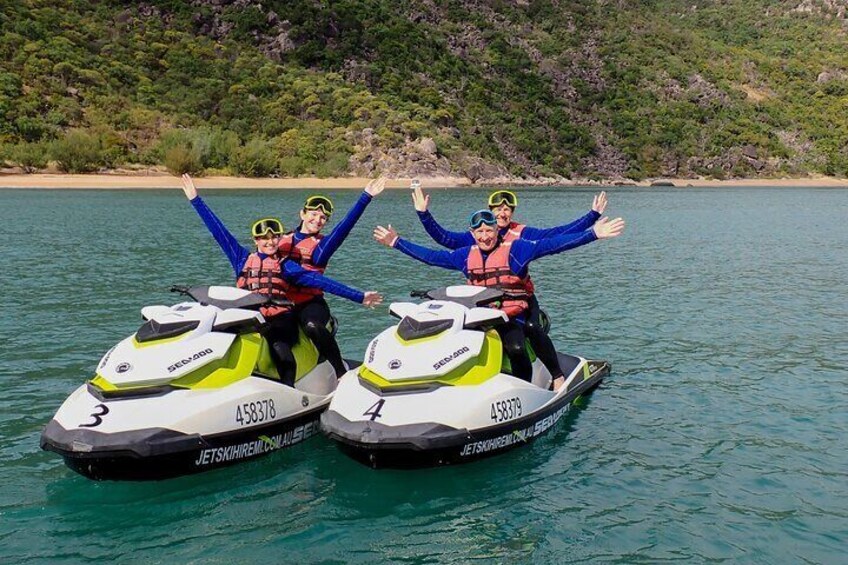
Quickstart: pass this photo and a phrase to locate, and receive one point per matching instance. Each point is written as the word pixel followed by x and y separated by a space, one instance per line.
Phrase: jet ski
pixel 435 389
pixel 193 389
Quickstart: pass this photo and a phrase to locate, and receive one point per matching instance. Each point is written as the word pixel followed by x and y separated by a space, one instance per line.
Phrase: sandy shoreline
pixel 159 181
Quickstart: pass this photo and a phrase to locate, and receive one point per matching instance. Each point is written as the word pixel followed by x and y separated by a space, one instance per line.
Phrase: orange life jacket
pixel 264 276
pixel 513 232
pixel 301 253
pixel 495 272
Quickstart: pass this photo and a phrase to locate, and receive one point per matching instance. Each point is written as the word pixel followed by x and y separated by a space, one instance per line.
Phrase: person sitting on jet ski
pixel 502 203
pixel 268 272
pixel 310 248
pixel 492 262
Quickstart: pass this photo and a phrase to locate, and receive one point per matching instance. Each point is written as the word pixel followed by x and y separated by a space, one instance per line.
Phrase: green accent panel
pixel 305 354
pixel 473 372
pixel 238 364
pixel 586 372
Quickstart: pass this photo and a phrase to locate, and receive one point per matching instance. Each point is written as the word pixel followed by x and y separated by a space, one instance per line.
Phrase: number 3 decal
pixel 103 410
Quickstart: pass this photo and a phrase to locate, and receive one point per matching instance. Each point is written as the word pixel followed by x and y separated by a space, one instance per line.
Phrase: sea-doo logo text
pixel 372 350
pixel 433 306
pixel 188 360
pixel 394 364
pixel 123 368
pixel 453 356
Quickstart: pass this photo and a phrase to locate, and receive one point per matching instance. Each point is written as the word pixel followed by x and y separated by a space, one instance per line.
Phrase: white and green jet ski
pixel 193 389
pixel 434 389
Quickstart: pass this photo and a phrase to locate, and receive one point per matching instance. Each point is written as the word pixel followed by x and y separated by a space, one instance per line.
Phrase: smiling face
pixel 486 237
pixel 267 244
pixel 503 213
pixel 312 221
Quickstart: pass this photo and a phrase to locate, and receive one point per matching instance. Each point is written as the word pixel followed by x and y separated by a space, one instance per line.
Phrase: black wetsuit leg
pixel 512 337
pixel 314 317
pixel 281 333
pixel 541 342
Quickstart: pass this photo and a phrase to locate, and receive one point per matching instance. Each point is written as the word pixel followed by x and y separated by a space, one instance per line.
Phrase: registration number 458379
pixel 504 410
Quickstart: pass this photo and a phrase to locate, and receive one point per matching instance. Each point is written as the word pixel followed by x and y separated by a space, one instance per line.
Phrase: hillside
pixel 483 89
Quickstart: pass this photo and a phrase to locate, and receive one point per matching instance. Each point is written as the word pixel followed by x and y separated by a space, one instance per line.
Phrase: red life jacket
pixel 264 276
pixel 301 253
pixel 513 232
pixel 495 272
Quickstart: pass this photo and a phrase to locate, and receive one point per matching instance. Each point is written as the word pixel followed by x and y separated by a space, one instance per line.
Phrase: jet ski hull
pixel 431 444
pixel 158 453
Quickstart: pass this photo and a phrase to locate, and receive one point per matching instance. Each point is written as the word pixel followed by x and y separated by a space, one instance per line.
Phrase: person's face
pixel 267 244
pixel 313 221
pixel 503 214
pixel 486 237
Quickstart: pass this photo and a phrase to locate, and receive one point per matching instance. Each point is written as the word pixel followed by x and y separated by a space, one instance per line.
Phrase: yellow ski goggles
pixel 319 202
pixel 501 197
pixel 261 227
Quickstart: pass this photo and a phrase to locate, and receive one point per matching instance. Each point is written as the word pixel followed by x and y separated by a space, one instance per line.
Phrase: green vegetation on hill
pixel 581 88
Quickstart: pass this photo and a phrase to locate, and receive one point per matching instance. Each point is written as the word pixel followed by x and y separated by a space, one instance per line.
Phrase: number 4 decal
pixel 374 411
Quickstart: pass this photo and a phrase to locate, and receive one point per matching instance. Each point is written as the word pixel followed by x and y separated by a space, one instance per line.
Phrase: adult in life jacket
pixel 267 271
pixel 492 262
pixel 312 250
pixel 502 203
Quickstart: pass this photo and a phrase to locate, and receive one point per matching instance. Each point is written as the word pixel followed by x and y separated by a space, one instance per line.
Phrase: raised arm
pixel 445 238
pixel 235 252
pixel 328 245
pixel 524 250
pixel 454 260
pixel 298 275
pixel 599 204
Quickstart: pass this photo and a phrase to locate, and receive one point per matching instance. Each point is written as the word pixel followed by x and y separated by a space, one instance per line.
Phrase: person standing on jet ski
pixel 268 272
pixel 502 203
pixel 310 248
pixel 492 262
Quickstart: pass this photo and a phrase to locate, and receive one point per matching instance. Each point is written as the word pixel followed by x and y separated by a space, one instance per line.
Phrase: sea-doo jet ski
pixel 193 389
pixel 434 389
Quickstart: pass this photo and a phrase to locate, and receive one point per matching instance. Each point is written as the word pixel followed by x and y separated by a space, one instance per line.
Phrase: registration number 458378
pixel 504 410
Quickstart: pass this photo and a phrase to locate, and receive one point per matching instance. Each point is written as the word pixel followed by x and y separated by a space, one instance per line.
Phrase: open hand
pixel 606 228
pixel 387 236
pixel 376 186
pixel 188 186
pixel 372 299
pixel 419 200
pixel 599 203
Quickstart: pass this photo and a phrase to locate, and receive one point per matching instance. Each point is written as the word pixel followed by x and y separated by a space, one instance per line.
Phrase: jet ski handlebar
pixel 247 300
pixel 480 297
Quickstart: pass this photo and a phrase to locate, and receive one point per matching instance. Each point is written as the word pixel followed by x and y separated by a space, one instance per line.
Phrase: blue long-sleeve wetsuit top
pixel 238 254
pixel 457 239
pixel 522 252
pixel 331 242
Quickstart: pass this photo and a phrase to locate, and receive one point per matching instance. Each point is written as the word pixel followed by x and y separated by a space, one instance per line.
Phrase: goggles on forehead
pixel 503 197
pixel 319 203
pixel 261 227
pixel 481 217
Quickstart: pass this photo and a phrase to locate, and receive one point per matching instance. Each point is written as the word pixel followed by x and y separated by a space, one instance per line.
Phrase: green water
pixel 720 436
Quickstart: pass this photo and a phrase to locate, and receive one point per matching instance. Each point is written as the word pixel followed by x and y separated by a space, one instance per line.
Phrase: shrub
pixel 28 156
pixel 256 158
pixel 78 152
pixel 181 159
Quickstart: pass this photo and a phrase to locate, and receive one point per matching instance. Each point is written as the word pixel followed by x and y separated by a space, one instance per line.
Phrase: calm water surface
pixel 720 436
